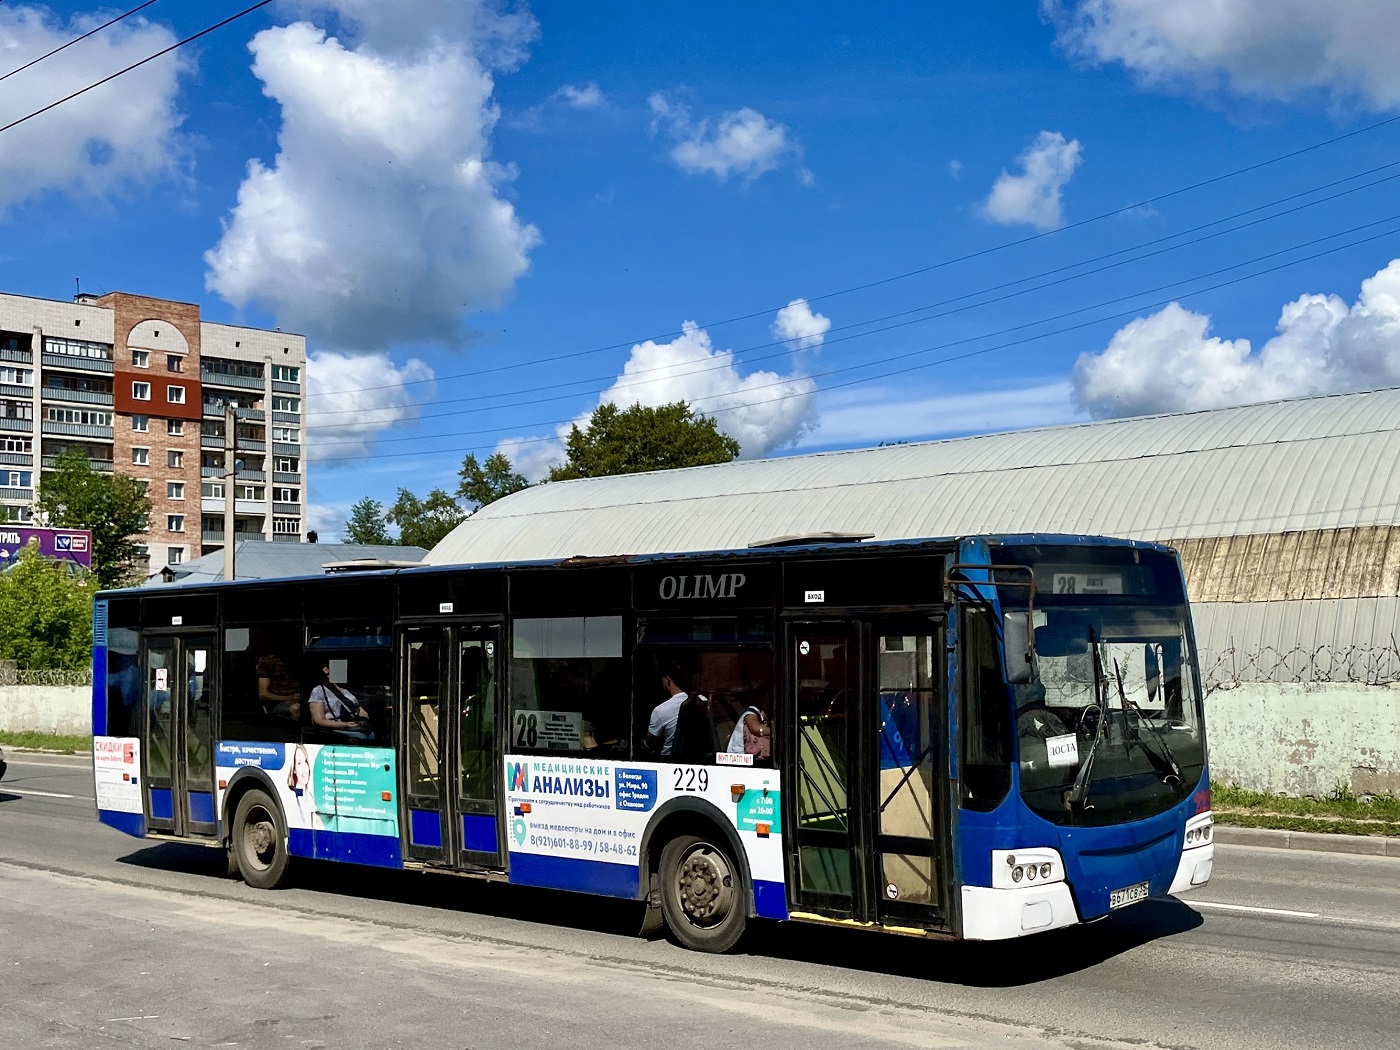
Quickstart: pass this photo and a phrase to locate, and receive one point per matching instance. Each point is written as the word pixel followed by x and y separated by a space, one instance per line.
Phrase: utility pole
pixel 230 481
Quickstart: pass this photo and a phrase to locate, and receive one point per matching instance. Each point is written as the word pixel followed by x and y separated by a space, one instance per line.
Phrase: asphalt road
pixel 106 941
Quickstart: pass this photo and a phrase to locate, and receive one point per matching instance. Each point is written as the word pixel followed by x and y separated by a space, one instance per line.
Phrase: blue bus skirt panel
pixel 580 876
pixel 380 851
pixel 128 823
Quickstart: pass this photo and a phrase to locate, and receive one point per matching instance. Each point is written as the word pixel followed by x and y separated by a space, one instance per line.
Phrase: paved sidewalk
pixel 1366 845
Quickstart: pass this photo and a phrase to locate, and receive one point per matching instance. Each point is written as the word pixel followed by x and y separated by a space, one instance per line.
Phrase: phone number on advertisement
pixel 621 849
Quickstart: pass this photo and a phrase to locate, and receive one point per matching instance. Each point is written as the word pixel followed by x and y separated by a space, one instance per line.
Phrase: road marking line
pixel 1259 911
pixel 43 794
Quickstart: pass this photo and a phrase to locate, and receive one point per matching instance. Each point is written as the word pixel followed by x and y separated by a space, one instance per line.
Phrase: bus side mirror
pixel 1020 654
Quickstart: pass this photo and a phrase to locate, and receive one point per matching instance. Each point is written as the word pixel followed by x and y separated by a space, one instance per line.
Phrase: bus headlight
pixel 1015 868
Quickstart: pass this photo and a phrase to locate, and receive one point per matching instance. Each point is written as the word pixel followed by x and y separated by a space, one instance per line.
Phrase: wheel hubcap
pixel 705 887
pixel 260 836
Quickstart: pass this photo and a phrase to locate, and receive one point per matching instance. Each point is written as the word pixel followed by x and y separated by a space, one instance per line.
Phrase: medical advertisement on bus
pixel 116 765
pixel 591 814
pixel 322 787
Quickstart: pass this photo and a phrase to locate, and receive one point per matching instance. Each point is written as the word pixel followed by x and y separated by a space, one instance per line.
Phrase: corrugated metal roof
pixel 1329 462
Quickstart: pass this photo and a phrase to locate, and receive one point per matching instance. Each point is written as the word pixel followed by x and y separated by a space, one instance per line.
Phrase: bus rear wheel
pixel 260 840
pixel 702 894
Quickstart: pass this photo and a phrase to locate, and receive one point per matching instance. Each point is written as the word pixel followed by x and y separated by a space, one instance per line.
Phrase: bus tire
pixel 702 893
pixel 260 840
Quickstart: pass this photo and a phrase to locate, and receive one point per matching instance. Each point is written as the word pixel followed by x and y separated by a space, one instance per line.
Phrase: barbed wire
pixel 1355 664
pixel 10 676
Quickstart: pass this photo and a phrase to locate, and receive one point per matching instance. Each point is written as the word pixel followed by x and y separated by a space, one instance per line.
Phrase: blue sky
pixel 486 218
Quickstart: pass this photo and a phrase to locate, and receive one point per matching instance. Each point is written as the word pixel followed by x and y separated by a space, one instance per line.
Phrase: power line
pixel 514 442
pixel 135 65
pixel 1259 165
pixel 76 39
pixel 667 373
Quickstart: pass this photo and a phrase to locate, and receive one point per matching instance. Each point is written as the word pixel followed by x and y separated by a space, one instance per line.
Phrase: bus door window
pixel 477 725
pixel 908 741
pixel 160 715
pixel 262 685
pixel 824 671
pixel 424 698
pixel 568 686
pixel 199 742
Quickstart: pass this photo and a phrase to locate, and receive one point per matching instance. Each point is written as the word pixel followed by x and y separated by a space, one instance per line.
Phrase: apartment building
pixel 140 384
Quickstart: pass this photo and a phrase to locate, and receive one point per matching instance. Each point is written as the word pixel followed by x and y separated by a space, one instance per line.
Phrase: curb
pixel 1272 838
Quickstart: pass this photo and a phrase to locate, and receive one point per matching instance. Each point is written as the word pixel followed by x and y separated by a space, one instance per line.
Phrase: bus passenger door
pixel 826 675
pixel 178 743
pixel 910 831
pixel 450 770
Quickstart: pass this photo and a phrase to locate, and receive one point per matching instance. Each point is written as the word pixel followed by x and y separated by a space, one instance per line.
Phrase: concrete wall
pixel 46 709
pixel 1306 739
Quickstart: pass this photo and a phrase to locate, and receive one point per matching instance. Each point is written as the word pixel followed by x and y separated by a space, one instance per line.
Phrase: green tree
pixel 366 523
pixel 639 438
pixel 113 506
pixel 45 614
pixel 486 484
pixel 423 522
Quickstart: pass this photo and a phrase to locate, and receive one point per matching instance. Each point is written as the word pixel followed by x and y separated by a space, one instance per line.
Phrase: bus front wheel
pixel 260 840
pixel 702 894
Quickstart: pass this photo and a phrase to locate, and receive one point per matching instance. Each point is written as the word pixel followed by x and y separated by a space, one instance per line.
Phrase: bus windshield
pixel 1111 729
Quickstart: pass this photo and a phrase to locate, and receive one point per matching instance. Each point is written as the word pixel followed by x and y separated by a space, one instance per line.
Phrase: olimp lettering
pixel 680 588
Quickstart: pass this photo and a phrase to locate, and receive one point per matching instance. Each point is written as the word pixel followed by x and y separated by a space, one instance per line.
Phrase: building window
pixel 175 395
pixel 16 376
pixel 141 424
pixel 174 363
pixel 16 409
pixel 290 435
pixel 16 444
pixel 286 373
pixel 174 490
pixel 286 526
pixel 78 348
pixel 11 513
pixel 140 359
pixel 142 485
pixel 141 391
pixel 140 456
pixel 175 427
pixel 175 523
pixel 286 404
pixel 285 465
pixel 285 495
pixel 17 479
pixel 174 555
pixel 212 490
pixel 253 492
pixel 174 458
pixel 87 417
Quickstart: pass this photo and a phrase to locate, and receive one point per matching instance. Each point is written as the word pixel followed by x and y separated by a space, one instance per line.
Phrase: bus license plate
pixel 1128 895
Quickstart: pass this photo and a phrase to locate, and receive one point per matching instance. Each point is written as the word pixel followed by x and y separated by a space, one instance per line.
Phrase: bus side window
pixel 568 686
pixel 985 715
pixel 264 695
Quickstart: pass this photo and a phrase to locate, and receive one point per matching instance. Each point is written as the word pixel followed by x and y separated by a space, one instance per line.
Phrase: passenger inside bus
pixel 335 707
pixel 278 690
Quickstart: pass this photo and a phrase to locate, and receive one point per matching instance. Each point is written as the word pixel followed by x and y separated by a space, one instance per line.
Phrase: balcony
pixel 16 494
pixel 281 386
pixel 23 357
pixel 77 364
pixel 77 430
pixel 9 390
pixel 283 448
pixel 236 382
pixel 281 477
pixel 290 509
pixel 21 426
pixel 218 537
pixel 104 465
pixel 85 397
pixel 217 474
pixel 16 459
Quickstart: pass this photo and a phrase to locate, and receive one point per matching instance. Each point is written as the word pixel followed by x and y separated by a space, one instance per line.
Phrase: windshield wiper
pixel 1165 763
pixel 1079 792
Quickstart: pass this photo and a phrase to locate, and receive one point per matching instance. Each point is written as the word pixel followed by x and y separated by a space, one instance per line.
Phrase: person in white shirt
pixel 335 707
pixel 661 729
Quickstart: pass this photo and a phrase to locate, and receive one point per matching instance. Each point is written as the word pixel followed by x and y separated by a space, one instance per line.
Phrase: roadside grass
pixel 1341 813
pixel 67 745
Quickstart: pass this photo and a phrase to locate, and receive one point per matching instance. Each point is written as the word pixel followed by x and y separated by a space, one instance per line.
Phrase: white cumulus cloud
pixel 799 327
pixel 116 136
pixel 1265 48
pixel 742 142
pixel 1034 196
pixel 352 397
pixel 382 217
pixel 589 96
pixel 1171 362
pixel 763 410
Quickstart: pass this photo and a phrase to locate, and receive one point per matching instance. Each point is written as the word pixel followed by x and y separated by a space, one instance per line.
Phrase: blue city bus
pixel 977 738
